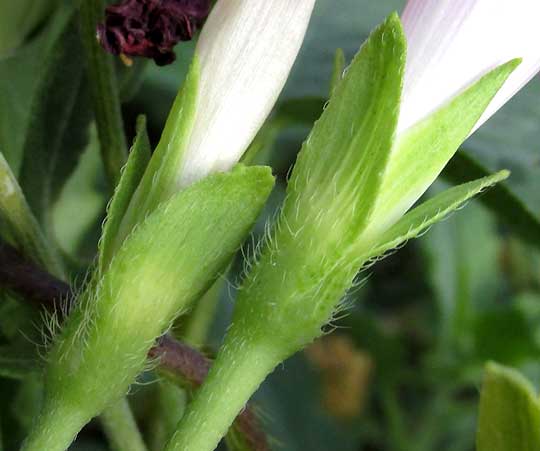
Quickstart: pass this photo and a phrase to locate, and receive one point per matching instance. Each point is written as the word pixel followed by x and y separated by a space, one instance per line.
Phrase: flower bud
pixel 451 44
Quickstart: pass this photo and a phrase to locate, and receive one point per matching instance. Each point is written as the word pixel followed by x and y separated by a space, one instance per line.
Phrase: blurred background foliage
pixel 402 368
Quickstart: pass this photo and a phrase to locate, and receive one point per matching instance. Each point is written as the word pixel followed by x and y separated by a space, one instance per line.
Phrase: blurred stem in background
pixel 105 93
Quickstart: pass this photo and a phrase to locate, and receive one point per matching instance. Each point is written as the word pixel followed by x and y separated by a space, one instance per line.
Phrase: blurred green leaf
pixel 59 118
pixel 519 215
pixel 509 412
pixel 19 85
pixel 504 334
pixel 18 19
pixel 78 229
pixel 461 252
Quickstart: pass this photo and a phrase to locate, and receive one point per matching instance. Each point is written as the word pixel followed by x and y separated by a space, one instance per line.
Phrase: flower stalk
pixel 105 94
pixel 353 182
pixel 103 344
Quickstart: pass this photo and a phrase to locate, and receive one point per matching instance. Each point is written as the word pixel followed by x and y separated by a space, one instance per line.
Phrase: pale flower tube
pixel 452 43
pixel 246 51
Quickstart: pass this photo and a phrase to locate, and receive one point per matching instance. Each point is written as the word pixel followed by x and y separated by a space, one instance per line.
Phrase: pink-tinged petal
pixel 246 51
pixel 452 43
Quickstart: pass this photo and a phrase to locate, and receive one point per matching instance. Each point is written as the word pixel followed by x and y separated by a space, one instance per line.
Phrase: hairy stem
pixel 216 404
pixel 57 431
pixel 186 365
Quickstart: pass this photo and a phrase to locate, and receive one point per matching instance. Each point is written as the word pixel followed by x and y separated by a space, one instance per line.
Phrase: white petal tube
pixel 452 43
pixel 246 51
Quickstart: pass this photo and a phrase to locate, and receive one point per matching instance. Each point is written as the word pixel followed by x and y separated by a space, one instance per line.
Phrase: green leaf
pixel 422 151
pixel 79 229
pixel 421 218
pixel 18 19
pixel 57 130
pixel 509 412
pixel 19 85
pixel 460 254
pixel 331 28
pixel 507 333
pixel 131 176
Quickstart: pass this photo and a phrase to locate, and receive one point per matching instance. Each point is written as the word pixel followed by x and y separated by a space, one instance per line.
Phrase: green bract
pixel 159 180
pixel 131 177
pixel 166 263
pixel 351 176
pixel 430 212
pixel 421 152
pixel 509 412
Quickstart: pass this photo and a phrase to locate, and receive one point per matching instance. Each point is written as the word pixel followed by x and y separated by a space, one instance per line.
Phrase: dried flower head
pixel 151 28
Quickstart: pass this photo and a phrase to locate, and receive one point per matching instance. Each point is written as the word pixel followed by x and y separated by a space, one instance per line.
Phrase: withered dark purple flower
pixel 151 28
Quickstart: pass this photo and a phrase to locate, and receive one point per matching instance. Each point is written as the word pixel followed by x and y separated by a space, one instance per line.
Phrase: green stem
pixel 56 430
pixel 234 377
pixel 105 93
pixel 27 233
pixel 170 405
pixel 121 428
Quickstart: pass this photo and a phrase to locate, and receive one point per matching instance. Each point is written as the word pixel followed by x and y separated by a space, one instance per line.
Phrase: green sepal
pixel 509 412
pixel 132 173
pixel 339 171
pixel 165 264
pixel 158 183
pixel 421 152
pixel 415 222
pixel 300 274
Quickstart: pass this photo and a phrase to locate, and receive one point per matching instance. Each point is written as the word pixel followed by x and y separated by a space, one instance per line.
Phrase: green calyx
pixel 421 152
pixel 353 180
pixel 165 264
pixel 159 181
